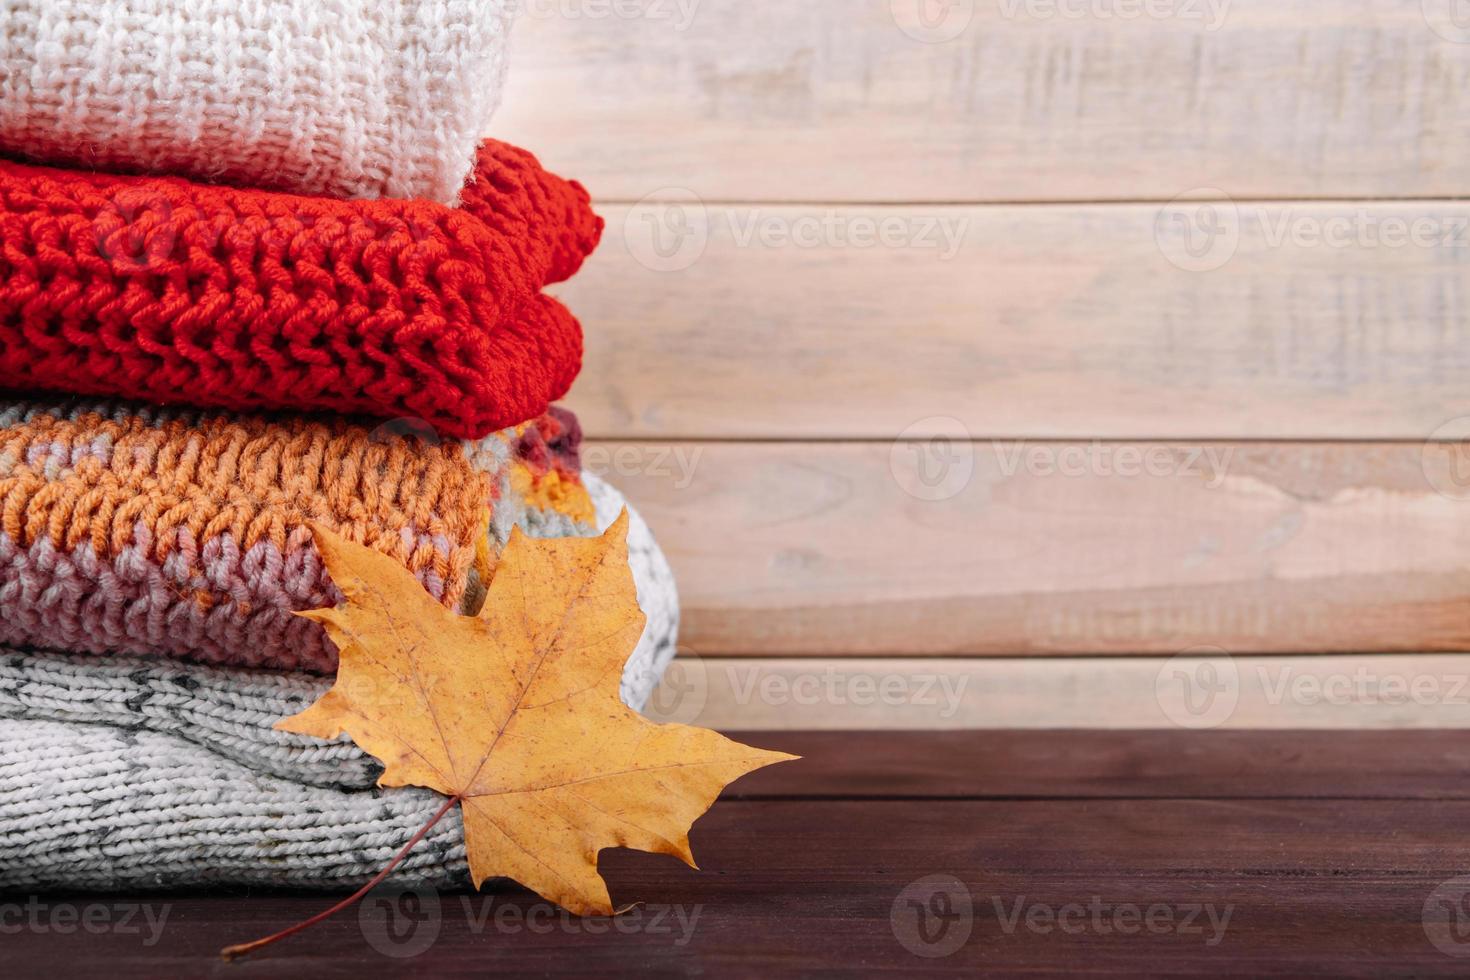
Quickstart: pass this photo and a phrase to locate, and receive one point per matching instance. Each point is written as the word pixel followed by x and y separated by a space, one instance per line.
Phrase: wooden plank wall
pixel 1034 336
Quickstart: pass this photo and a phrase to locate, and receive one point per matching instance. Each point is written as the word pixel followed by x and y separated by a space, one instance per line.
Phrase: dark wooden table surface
pixel 1104 854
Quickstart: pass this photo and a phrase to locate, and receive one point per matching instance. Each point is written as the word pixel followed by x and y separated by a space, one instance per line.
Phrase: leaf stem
pixel 240 949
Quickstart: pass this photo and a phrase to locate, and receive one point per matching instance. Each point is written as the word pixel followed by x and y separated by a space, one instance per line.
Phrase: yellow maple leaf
pixel 515 712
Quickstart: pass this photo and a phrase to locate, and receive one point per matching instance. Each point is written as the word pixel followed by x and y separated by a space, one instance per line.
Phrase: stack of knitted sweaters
pixel 258 270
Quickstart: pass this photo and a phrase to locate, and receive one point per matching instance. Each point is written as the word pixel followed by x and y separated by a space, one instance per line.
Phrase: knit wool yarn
pixel 178 293
pixel 228 710
pixel 130 772
pixel 658 596
pixel 127 529
pixel 344 98
pixel 231 710
pixel 101 807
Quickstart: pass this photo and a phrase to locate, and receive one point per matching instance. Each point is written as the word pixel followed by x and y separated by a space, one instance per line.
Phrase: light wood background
pixel 1019 346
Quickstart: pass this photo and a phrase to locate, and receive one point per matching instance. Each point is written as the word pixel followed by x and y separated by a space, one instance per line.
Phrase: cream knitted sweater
pixel 346 98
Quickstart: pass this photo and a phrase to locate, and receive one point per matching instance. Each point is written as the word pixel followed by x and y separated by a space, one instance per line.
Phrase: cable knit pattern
pixel 343 98
pixel 126 529
pixel 128 772
pixel 178 293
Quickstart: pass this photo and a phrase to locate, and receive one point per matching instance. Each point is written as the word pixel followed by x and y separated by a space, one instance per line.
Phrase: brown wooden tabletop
pixel 1100 853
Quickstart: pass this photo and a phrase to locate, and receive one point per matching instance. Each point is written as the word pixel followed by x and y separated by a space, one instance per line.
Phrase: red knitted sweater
pixel 175 292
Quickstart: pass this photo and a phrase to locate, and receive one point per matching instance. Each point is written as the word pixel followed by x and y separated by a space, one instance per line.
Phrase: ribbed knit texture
pixel 345 98
pixel 126 529
pixel 99 807
pixel 126 772
pixel 180 293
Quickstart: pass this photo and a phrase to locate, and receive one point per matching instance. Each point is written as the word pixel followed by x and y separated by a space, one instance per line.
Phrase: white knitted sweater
pixel 346 98
pixel 120 772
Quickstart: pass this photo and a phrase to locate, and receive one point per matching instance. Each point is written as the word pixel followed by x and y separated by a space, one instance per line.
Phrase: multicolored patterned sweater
pixel 128 529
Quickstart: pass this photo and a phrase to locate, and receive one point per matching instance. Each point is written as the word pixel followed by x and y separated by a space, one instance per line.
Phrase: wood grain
pixel 1297 888
pixel 833 549
pixel 831 100
pixel 1096 764
pixel 825 235
pixel 1295 321
pixel 1190 693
